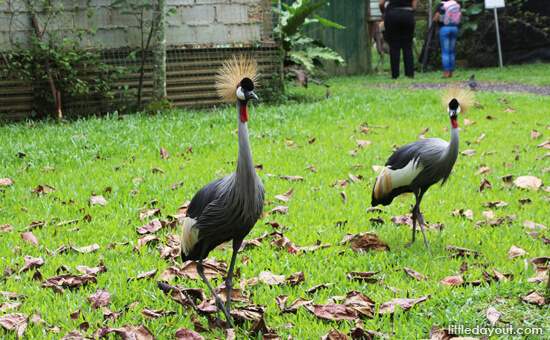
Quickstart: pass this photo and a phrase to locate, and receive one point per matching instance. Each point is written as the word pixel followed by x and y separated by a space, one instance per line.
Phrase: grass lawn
pixel 88 156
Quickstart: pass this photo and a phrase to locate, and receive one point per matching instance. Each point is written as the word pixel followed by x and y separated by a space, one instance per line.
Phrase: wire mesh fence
pixel 92 56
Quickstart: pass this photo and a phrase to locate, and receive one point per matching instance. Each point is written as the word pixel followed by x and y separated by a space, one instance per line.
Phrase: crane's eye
pixel 240 93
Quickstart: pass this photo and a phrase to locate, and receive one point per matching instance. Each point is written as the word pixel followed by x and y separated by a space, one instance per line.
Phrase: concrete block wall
pixel 203 22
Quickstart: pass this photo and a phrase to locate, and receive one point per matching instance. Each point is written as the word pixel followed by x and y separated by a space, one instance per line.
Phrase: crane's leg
pixel 420 219
pixel 229 279
pixel 219 302
pixel 414 217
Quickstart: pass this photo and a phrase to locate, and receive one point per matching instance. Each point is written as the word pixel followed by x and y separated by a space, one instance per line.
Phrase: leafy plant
pixel 298 46
pixel 68 62
pixel 470 18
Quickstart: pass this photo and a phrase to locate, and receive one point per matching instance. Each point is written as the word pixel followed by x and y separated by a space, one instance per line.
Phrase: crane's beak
pixel 250 95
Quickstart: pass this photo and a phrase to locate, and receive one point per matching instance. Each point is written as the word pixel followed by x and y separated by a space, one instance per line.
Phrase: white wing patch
pixel 189 235
pixel 389 179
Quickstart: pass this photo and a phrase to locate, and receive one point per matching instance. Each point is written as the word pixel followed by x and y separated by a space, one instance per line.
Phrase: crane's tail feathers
pixel 232 72
pixel 189 236
pixel 464 97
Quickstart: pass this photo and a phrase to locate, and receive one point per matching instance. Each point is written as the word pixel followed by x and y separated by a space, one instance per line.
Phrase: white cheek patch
pixel 240 93
pixel 189 235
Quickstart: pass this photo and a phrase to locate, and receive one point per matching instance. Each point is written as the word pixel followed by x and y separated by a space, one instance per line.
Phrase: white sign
pixel 494 4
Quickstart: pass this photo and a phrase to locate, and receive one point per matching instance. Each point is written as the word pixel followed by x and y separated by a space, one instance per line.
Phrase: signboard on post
pixel 494 4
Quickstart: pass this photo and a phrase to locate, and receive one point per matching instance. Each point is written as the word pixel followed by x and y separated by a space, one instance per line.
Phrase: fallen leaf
pixel 489 214
pixel 484 170
pixel 5 182
pixel 187 334
pixel 528 182
pixel 176 185
pixel 32 263
pixel 294 306
pixel 157 171
pixel 271 279
pixel 85 250
pixel 6 228
pixel 97 200
pixel 495 204
pixel 365 242
pixel 318 287
pixel 30 237
pixel 286 196
pixel 311 167
pixel 292 178
pixel 533 225
pixel 402 220
pixel 363 276
pixel 5 306
pixel 148 213
pixel 344 196
pixel 534 297
pixel 100 297
pixel 46 189
pixel 333 312
pixel 480 138
pixel 150 227
pixel 452 281
pixel 360 303
pixel 335 334
pixel 516 251
pixel 535 134
pixel 468 122
pixel 509 109
pixel 404 304
pixel 468 152
pixel 69 280
pixel 164 154
pixel 416 275
pixel 363 143
pixel 149 313
pixel 484 184
pixel 280 210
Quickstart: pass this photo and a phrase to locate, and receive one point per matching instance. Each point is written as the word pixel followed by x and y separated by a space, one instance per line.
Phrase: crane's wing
pixel 208 194
pixel 404 167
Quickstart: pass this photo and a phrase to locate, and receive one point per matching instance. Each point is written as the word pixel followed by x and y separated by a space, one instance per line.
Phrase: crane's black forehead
pixel 453 105
pixel 247 84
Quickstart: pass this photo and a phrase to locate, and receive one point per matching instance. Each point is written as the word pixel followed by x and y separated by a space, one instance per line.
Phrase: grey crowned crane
pixel 420 164
pixel 227 208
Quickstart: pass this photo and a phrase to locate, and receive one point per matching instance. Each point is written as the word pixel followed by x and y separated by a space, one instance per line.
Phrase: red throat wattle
pixel 244 114
pixel 453 122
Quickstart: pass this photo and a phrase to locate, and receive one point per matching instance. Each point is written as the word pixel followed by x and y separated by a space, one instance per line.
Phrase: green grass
pixel 85 164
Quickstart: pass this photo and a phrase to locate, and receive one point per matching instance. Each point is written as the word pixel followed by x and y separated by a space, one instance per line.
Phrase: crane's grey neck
pixel 245 163
pixel 452 150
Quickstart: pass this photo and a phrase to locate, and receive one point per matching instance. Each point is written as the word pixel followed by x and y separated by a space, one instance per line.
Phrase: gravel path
pixel 505 87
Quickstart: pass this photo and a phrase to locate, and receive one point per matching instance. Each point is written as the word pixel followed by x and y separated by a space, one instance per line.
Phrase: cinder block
pixel 133 37
pixel 20 40
pixel 183 35
pixel 174 19
pixel 19 21
pixel 210 2
pixel 62 21
pixel 109 38
pixel 17 6
pixel 245 33
pixel 232 13
pixel 198 15
pixel 69 4
pixel 101 3
pixel 172 3
pixel 100 17
pixel 120 20
pixel 212 34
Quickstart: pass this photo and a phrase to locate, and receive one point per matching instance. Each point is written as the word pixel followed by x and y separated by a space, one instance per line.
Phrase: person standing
pixel 448 14
pixel 399 22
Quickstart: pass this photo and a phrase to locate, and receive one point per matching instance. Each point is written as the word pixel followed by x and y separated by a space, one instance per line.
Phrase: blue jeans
pixel 447 38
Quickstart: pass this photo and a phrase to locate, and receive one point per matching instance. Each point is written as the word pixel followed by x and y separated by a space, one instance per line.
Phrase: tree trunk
pixel 159 51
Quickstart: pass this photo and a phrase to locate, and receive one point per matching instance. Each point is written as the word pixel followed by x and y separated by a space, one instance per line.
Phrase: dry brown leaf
pixel 143 240
pixel 489 214
pixel 333 312
pixel 150 227
pixel 452 281
pixel 98 200
pixel 292 178
pixel 495 204
pixel 30 237
pixel 534 297
pixel 404 304
pixel 416 275
pixel 85 250
pixel 484 184
pixel 516 251
pixel 363 143
pixel 279 209
pixel 294 306
pixel 148 213
pixel 286 196
pixel 528 182
pixel 99 298
pixel 5 182
pixel 533 225
pixel 187 334
pixel 344 196
pixel 484 170
pixel 468 122
pixel 535 134
pixel 271 279
pixel 6 228
pixel 468 152
pixel 365 242
pixel 311 167
pixel 5 306
pixel 335 334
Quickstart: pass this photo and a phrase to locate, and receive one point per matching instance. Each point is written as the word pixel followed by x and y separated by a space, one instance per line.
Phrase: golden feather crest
pixel 231 74
pixel 464 97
